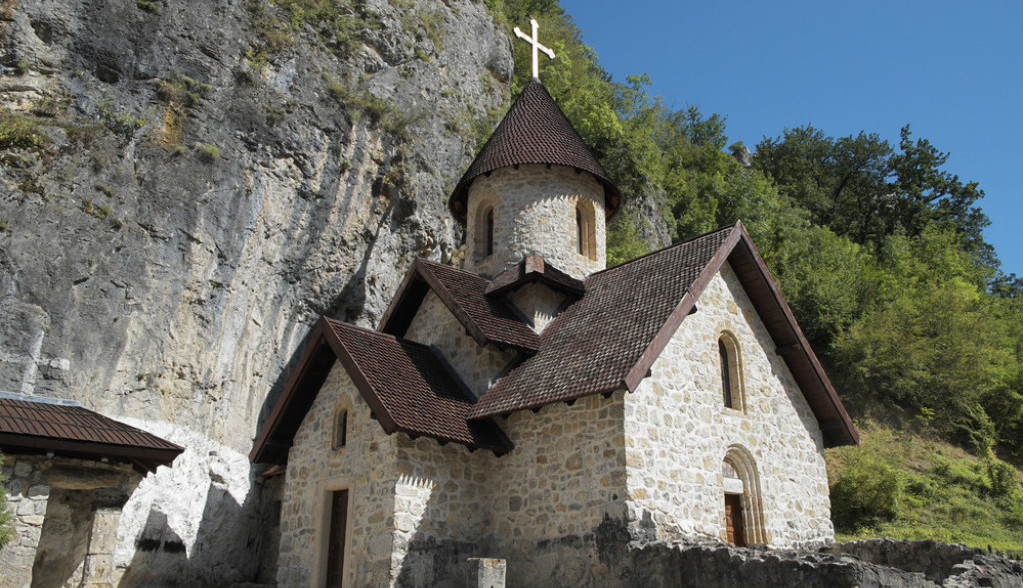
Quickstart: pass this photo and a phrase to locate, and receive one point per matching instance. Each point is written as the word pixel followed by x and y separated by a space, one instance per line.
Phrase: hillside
pixel 910 485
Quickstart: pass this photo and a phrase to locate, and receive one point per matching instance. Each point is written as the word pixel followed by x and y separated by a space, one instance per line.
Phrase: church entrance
pixel 336 546
pixel 733 519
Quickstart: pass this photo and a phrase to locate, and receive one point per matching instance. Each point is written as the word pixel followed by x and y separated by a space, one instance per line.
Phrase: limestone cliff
pixel 187 185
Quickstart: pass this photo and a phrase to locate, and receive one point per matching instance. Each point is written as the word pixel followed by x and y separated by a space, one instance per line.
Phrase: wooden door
pixel 336 545
pixel 733 519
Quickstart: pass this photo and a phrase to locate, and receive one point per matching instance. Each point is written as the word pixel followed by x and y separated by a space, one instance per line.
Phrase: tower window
pixel 579 231
pixel 490 232
pixel 585 229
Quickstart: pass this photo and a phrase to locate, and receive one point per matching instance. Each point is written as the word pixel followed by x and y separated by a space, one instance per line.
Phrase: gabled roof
pixel 533 268
pixel 488 319
pixel 407 386
pixel 38 425
pixel 611 337
pixel 535 130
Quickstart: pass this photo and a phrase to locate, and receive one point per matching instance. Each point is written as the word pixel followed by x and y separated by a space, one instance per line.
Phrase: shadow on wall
pixel 217 557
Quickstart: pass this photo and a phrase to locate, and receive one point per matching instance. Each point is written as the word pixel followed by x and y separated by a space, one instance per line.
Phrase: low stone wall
pixel 935 560
pixel 862 564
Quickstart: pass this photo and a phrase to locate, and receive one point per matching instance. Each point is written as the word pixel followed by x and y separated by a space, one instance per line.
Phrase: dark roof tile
pixel 37 424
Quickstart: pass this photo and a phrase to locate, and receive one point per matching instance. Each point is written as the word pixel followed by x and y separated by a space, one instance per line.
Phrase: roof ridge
pixel 369 331
pixel 737 224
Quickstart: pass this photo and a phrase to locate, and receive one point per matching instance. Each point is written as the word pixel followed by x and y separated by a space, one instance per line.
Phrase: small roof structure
pixel 534 268
pixel 488 319
pixel 31 424
pixel 408 386
pixel 535 130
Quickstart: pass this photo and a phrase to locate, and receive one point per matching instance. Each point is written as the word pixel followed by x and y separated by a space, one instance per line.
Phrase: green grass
pixel 904 485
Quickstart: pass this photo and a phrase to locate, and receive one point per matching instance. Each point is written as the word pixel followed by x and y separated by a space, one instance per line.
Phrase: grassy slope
pixel 905 485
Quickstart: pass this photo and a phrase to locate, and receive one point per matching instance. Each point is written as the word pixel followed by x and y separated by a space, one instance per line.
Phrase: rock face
pixel 186 186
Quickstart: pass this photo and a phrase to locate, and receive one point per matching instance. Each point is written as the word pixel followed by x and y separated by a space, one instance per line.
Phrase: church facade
pixel 536 407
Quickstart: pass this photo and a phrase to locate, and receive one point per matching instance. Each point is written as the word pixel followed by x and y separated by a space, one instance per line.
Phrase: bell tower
pixel 535 188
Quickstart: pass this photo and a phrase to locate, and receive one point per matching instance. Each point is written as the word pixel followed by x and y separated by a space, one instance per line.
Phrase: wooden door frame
pixel 322 534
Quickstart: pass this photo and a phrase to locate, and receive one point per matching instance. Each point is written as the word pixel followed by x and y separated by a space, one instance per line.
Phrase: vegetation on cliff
pixel 879 251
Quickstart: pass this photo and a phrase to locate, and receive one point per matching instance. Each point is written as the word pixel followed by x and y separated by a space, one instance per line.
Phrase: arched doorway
pixel 744 512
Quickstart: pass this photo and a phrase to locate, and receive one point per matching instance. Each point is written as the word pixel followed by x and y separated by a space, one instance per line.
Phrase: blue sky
pixel 951 70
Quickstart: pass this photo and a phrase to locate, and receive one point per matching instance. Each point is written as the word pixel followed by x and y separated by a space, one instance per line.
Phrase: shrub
pixel 208 153
pixel 866 493
pixel 19 132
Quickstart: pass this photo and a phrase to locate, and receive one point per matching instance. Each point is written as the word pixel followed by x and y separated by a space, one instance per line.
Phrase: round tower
pixel 535 188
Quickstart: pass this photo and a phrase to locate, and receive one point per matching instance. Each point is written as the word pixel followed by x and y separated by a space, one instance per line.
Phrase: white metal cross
pixel 535 42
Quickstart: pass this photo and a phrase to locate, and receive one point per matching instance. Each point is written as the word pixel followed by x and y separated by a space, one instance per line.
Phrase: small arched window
pixel 731 377
pixel 341 429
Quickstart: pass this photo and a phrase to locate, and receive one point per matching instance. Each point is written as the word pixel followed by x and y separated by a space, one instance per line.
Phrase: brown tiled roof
pixel 487 319
pixel 39 425
pixel 533 268
pixel 535 130
pixel 592 346
pixel 407 386
pixel 611 337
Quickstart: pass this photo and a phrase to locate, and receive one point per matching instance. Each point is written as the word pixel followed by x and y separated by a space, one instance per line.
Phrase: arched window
pixel 483 231
pixel 585 229
pixel 744 522
pixel 731 372
pixel 490 232
pixel 341 429
pixel 579 235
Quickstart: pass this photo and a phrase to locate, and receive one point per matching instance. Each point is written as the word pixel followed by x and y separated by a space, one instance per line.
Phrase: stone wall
pixel 365 466
pixel 27 494
pixel 535 212
pixel 678 432
pixel 67 513
pixel 477 366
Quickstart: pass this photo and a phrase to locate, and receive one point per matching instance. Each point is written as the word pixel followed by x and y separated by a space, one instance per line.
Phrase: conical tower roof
pixel 535 130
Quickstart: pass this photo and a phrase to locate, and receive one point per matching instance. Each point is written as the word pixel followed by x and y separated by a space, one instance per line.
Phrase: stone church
pixel 536 407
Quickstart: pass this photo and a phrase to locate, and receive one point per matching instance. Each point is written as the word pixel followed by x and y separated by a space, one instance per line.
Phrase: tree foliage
pixel 878 248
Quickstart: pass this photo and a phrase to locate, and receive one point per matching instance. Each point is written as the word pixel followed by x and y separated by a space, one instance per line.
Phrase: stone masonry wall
pixel 27 495
pixel 538 303
pixel 365 466
pixel 477 366
pixel 535 212
pixel 548 497
pixel 678 431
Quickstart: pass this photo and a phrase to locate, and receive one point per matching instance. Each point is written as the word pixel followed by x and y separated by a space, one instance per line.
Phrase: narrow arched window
pixel 726 375
pixel 341 430
pixel 580 237
pixel 730 358
pixel 585 229
pixel 490 232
